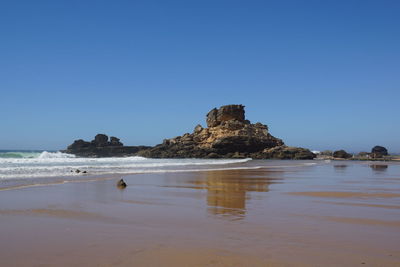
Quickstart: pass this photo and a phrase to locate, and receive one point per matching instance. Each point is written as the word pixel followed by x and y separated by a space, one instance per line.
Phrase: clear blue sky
pixel 320 74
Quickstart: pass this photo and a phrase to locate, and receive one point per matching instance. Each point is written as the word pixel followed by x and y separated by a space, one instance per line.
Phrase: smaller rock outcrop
pixel 379 152
pixel 100 146
pixel 342 154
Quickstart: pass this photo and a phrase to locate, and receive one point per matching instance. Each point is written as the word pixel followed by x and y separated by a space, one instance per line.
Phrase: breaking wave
pixel 55 155
pixel 33 154
pixel 57 164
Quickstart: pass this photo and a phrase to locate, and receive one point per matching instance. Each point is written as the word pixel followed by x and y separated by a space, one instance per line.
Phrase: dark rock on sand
pixel 285 152
pixel 121 184
pixel 229 135
pixel 379 152
pixel 342 154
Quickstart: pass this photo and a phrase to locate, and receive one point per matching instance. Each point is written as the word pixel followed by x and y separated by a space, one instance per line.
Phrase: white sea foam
pixel 56 164
pixel 54 155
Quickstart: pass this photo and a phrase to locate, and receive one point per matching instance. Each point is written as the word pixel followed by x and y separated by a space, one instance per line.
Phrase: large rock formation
pixel 101 147
pixel 229 135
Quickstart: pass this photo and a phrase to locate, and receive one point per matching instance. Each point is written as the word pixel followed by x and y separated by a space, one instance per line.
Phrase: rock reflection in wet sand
pixel 379 167
pixel 228 191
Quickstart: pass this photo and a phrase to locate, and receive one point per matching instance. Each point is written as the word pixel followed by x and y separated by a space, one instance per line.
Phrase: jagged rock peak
pixel 114 141
pixel 225 113
pixel 100 140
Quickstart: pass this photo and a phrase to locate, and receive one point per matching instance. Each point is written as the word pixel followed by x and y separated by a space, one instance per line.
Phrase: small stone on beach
pixel 121 184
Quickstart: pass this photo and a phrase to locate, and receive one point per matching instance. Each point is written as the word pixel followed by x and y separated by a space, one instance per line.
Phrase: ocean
pixel 37 167
pixel 239 212
pixel 27 164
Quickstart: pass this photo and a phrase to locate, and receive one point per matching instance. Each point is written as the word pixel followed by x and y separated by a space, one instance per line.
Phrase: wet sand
pixel 338 194
pixel 318 215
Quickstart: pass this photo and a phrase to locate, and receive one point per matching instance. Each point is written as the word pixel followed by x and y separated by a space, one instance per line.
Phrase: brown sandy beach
pixel 302 216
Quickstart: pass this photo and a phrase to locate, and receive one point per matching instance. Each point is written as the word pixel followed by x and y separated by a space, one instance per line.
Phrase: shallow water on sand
pixel 292 214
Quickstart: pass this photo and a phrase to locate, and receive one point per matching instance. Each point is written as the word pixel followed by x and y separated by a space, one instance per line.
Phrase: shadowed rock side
pixel 102 147
pixel 229 135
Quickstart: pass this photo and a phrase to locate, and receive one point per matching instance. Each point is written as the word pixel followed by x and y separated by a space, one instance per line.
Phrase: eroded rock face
pixel 100 140
pixel 114 141
pixel 229 135
pixel 225 113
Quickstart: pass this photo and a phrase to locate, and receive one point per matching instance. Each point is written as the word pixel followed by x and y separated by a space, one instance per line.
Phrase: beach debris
pixel 121 184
